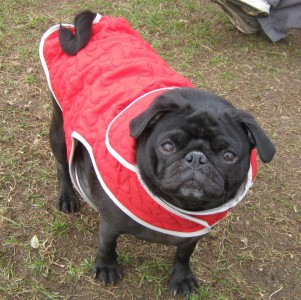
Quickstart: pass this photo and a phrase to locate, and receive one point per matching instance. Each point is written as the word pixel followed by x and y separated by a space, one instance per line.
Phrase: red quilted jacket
pixel 100 89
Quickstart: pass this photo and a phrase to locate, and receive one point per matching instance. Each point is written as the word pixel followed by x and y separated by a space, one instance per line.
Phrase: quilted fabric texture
pixel 100 89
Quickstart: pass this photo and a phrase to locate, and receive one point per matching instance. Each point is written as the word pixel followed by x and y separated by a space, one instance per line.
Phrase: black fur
pixel 192 119
pixel 201 127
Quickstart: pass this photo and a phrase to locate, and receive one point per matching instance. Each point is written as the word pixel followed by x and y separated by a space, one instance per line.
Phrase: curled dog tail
pixel 72 43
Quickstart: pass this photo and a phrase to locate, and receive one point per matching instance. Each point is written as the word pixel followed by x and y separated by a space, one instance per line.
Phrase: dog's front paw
pixel 109 274
pixel 182 281
pixel 68 202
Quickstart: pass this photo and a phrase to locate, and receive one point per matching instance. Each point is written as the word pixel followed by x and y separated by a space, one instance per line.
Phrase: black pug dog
pixel 192 150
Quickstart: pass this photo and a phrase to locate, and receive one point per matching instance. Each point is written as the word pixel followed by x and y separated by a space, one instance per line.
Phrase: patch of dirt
pixel 253 254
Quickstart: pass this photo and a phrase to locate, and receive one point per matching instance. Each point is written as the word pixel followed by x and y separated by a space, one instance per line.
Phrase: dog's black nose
pixel 196 158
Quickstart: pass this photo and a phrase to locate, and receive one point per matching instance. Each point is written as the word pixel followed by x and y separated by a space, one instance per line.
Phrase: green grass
pixel 38 265
pixel 30 79
pixel 201 294
pixel 59 227
pixel 228 75
pixel 125 258
pixel 154 271
pixel 12 223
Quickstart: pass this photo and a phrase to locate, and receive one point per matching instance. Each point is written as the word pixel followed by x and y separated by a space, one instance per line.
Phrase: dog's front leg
pixel 182 279
pixel 106 267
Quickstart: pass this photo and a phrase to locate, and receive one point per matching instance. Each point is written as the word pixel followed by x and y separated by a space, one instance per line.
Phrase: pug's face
pixel 193 148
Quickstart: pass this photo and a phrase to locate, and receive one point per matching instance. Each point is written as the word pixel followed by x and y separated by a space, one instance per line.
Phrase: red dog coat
pixel 100 89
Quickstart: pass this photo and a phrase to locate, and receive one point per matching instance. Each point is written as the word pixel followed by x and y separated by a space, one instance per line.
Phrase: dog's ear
pixel 162 104
pixel 257 136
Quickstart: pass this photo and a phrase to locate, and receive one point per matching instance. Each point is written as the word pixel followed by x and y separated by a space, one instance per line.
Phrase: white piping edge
pixel 226 206
pixel 77 137
pixel 79 187
pixel 112 151
pixel 171 208
pixel 41 48
pixel 186 214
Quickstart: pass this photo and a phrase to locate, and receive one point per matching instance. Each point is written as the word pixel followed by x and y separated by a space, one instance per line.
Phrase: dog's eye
pixel 229 156
pixel 168 148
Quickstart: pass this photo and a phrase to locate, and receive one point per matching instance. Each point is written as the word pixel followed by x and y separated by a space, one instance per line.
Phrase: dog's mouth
pixel 191 189
pixel 194 190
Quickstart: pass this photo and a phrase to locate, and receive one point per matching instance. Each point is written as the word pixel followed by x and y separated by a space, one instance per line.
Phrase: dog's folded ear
pixel 163 104
pixel 257 136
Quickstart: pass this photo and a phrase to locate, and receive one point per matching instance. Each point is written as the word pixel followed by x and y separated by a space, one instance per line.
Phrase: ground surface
pixel 253 254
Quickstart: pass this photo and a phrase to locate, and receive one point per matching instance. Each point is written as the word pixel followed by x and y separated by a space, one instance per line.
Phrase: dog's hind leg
pixel 67 200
